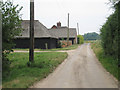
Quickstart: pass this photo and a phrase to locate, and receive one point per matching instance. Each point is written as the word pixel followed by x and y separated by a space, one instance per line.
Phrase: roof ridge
pixel 48 32
pixel 39 32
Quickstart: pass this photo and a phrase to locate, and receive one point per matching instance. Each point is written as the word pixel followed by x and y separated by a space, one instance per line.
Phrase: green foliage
pixel 91 36
pixel 109 63
pixel 11 24
pixel 63 39
pixel 59 44
pixel 80 39
pixel 114 2
pixel 5 65
pixel 109 34
pixel 22 76
pixel 11 27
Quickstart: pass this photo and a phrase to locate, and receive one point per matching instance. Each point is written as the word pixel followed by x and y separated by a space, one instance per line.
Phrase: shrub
pixel 80 39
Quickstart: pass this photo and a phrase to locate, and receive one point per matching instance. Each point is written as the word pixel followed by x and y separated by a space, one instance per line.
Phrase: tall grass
pixel 108 62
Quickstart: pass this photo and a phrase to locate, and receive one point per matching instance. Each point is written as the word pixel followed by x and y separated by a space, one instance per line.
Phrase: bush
pixel 109 35
pixel 80 39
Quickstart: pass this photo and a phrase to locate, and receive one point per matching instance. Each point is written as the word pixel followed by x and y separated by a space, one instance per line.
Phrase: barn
pixel 43 38
pixel 61 32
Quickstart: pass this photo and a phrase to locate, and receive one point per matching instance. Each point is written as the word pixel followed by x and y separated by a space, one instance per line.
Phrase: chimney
pixel 59 24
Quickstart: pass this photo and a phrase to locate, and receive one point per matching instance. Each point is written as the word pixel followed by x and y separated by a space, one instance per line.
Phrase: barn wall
pixel 21 43
pixel 53 43
pixel 39 43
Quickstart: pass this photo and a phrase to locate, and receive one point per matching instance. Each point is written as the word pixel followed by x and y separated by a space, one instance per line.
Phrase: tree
pixel 114 2
pixel 11 24
pixel 11 27
pixel 91 36
pixel 80 39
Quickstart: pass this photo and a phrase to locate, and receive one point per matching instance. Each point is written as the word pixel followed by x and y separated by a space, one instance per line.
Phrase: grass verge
pixel 21 76
pixel 89 41
pixel 55 49
pixel 108 62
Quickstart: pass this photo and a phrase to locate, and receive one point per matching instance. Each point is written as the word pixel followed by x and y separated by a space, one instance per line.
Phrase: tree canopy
pixel 11 24
pixel 91 36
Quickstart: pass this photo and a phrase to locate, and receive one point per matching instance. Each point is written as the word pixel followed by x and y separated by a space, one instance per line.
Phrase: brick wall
pixel 64 43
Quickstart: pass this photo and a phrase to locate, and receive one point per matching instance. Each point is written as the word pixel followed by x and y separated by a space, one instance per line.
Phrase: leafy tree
pixel 11 27
pixel 114 2
pixel 91 36
pixel 11 24
pixel 80 39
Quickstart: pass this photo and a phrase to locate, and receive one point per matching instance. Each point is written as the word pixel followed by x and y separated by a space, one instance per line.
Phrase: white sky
pixel 90 14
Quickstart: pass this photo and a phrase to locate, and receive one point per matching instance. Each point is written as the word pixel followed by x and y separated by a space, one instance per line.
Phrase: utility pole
pixel 31 50
pixel 1 47
pixel 78 28
pixel 68 32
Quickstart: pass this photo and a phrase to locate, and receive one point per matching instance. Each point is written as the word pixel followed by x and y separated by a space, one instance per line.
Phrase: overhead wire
pixel 62 7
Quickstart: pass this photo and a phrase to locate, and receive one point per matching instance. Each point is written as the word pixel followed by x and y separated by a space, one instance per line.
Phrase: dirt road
pixel 80 70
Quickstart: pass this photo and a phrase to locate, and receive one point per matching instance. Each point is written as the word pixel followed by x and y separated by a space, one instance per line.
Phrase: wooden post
pixel 46 45
pixel 68 32
pixel 31 50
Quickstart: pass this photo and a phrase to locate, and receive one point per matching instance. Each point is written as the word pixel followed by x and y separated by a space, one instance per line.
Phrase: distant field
pixel 22 76
pixel 56 49
pixel 108 62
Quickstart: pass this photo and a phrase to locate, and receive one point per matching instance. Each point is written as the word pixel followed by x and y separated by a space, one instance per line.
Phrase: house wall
pixel 38 43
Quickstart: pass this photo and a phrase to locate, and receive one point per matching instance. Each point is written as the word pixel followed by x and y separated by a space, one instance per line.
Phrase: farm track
pixel 80 70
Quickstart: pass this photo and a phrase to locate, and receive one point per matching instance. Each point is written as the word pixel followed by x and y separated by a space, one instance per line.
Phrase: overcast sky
pixel 90 14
